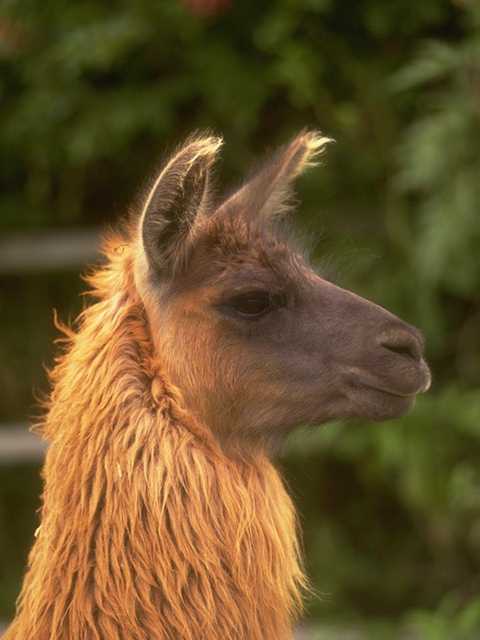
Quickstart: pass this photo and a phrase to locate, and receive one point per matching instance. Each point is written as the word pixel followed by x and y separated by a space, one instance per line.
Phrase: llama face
pixel 255 339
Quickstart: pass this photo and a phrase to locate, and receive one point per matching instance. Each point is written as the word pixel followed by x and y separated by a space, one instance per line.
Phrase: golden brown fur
pixel 148 530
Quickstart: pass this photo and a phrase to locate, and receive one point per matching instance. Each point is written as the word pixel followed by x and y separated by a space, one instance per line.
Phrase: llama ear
pixel 178 196
pixel 269 190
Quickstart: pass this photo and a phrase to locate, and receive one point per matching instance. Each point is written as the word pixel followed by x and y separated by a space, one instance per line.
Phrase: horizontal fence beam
pixel 45 251
pixel 18 444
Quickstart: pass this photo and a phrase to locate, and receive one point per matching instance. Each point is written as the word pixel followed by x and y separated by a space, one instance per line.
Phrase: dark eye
pixel 254 304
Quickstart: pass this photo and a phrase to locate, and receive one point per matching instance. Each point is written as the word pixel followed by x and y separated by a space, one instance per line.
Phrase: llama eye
pixel 253 304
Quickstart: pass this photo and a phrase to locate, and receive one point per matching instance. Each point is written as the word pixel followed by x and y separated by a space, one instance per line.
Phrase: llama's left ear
pixel 268 191
pixel 178 196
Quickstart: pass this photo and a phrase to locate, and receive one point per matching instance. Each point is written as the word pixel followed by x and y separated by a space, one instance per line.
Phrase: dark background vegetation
pixel 92 92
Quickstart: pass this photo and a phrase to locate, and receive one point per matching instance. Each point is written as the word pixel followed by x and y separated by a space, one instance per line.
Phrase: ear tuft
pixel 311 145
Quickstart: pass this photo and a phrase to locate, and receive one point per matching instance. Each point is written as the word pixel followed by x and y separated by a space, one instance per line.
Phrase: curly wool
pixel 149 531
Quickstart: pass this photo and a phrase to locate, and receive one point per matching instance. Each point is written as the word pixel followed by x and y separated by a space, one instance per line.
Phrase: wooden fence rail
pixel 17 444
pixel 45 251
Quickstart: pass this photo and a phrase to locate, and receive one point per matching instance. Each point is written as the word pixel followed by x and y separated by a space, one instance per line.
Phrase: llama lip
pixel 398 393
pixel 428 377
pixel 390 392
pixel 408 385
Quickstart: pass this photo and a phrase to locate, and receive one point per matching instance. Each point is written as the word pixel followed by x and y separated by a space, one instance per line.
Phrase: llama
pixel 210 339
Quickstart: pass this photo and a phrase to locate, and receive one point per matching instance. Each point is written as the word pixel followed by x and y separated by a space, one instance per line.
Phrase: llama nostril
pixel 403 343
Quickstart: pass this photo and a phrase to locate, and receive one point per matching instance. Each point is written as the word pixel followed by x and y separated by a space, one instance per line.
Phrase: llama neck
pixel 148 530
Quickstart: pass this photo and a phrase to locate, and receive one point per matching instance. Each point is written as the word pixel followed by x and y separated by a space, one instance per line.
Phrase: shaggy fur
pixel 148 530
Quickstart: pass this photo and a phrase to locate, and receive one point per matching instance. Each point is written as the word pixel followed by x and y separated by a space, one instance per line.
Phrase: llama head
pixel 256 340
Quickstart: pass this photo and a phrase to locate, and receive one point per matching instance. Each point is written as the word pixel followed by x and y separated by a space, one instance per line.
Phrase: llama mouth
pixel 376 402
pixel 390 392
pixel 395 392
pixel 384 399
pixel 408 387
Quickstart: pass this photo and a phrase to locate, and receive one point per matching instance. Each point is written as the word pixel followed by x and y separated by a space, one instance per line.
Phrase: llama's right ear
pixel 177 197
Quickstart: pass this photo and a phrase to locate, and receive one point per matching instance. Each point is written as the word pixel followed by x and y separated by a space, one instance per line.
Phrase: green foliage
pixel 91 92
pixel 440 164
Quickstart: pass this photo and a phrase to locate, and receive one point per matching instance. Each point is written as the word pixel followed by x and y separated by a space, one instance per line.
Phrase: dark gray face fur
pixel 257 342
